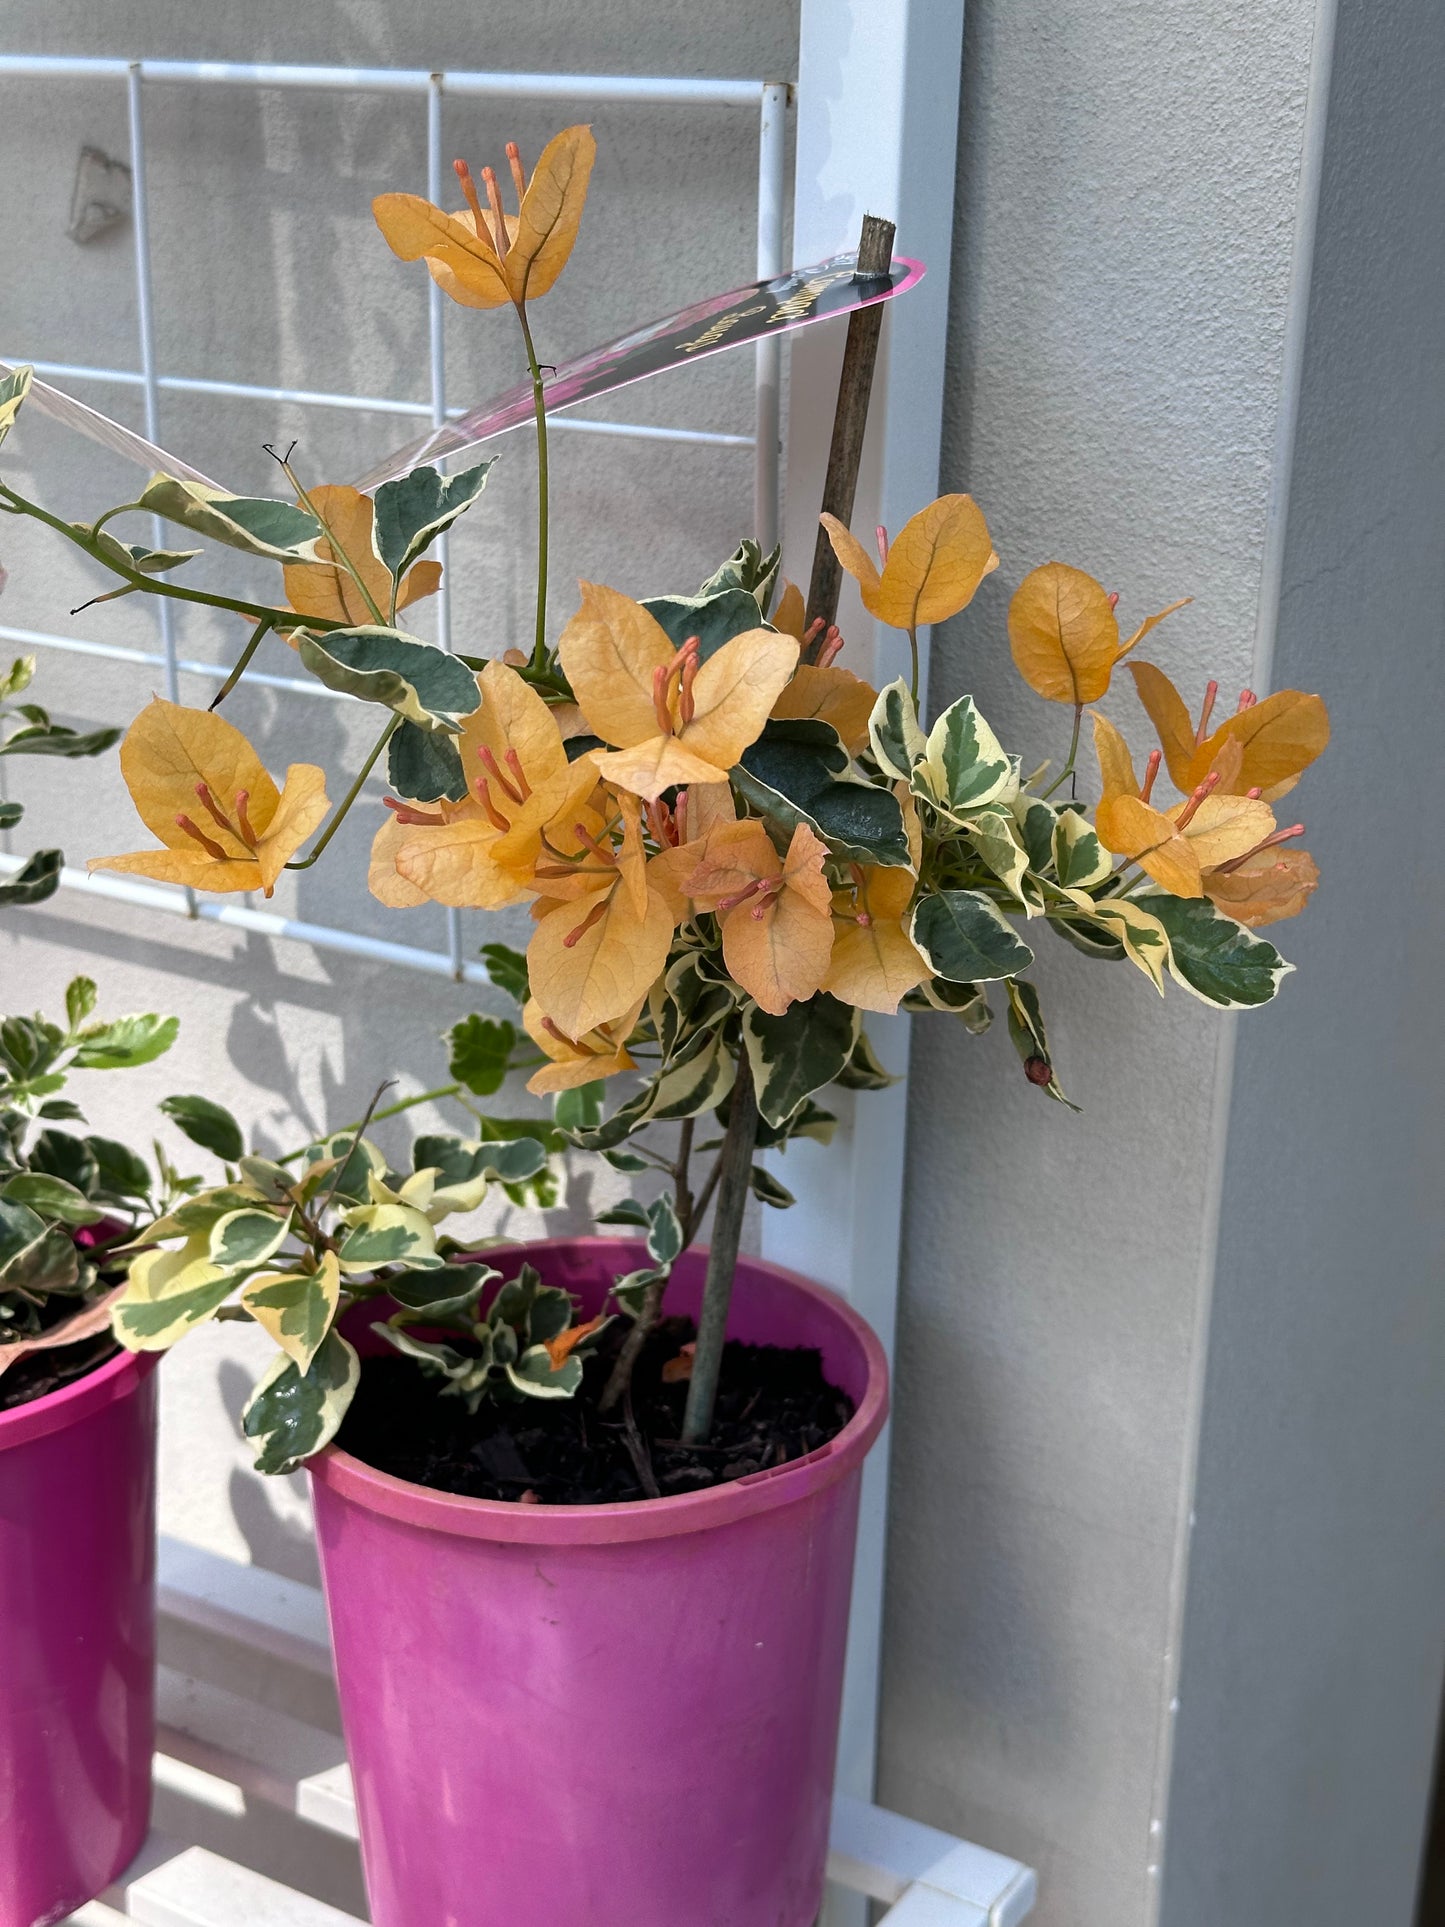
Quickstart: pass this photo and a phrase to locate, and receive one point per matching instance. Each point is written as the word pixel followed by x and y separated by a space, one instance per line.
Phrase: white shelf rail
pixel 766 98
pixel 248 1729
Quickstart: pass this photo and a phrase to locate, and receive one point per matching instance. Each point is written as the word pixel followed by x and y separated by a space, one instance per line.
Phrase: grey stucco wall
pixel 1316 1609
pixel 1128 183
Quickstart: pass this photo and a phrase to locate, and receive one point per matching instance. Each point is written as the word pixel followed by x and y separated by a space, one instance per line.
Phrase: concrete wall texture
pixel 1216 1294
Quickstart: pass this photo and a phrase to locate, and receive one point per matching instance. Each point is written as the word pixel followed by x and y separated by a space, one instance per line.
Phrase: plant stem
pixel 259 634
pixel 619 1382
pixel 339 813
pixel 735 1164
pixel 392 1110
pixel 913 653
pixel 539 406
pixel 151 584
pixel 337 548
pixel 1068 768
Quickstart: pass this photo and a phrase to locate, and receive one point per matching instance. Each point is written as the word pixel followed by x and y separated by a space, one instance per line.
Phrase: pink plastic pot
pixel 77 1631
pixel 604 1716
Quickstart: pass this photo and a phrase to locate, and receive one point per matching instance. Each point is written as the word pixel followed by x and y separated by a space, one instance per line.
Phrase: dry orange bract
pixel 203 791
pixel 484 257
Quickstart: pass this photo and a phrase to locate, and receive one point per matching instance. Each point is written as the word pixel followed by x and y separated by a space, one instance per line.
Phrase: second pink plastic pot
pixel 604 1716
pixel 77 1635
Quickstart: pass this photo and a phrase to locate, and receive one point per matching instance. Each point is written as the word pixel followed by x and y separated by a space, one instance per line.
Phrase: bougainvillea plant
pixel 733 847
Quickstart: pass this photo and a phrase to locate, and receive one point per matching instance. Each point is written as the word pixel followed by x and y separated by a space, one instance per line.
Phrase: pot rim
pixel 631 1520
pixel 117 1378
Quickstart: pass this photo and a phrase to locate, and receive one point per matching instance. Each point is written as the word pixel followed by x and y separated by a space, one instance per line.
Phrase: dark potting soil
pixel 773 1405
pixel 40 1372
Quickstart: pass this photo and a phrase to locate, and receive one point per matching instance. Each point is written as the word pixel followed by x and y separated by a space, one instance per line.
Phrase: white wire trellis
pixel 768 99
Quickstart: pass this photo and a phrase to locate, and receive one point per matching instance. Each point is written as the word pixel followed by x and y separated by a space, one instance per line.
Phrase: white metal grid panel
pixel 767 99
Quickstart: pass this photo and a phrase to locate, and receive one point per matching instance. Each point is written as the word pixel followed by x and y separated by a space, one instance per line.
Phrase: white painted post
pixel 877 130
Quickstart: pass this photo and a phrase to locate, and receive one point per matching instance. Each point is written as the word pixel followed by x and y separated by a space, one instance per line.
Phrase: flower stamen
pixel 593 916
pixel 408 813
pixel 1190 810
pixel 519 178
pixel 208 844
pixel 222 822
pixel 880 536
pixel 1268 843
pixel 494 202
pixel 1146 788
pixel 1210 692
pixel 469 188
pixel 660 678
pixel 495 771
pixel 248 835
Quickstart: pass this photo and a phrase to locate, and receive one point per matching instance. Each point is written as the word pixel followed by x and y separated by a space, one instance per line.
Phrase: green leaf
pixel 966 938
pixel 1216 959
pixel 38 879
pixel 481 1049
pixel 968 1002
pixel 280 531
pixel 296 1308
pixel 766 1189
pixel 412 511
pixel 248 1237
pixel 14 387
pixel 809 1120
pixel 194 1294
pixel 747 568
pixel 535 1376
pixel 442 1291
pixel 10 814
pixel 798 1053
pixel 55 739
pixel 66 1156
pixel 1036 821
pixel 627 1211
pixel 627 1161
pixel 424 765
pixel 713 618
pixel 138 557
pixel 208 1124
pixel 80 998
pixel 863 1071
pixel 993 834
pixel 387 1234
pixel 467 1372
pixel 29 1045
pixel 664 1237
pixel 507 969
pixel 21 673
pixel 126 1042
pixel 292 1415
pixel 630 1291
pixel 61 1107
pixel 899 745
pixel 34 1256
pixel 965 765
pixel 119 1173
pixel 579 1109
pixel 52 1196
pixel 1030 1040
pixel 1088 938
pixel 421 682
pixel 796 772
pixel 1080 859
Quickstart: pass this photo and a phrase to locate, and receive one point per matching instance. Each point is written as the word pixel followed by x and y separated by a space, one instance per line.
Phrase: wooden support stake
pixel 855 385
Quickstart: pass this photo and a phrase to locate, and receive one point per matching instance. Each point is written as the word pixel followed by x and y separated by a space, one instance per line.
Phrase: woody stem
pixel 539 407
pixel 339 813
pixel 736 1163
